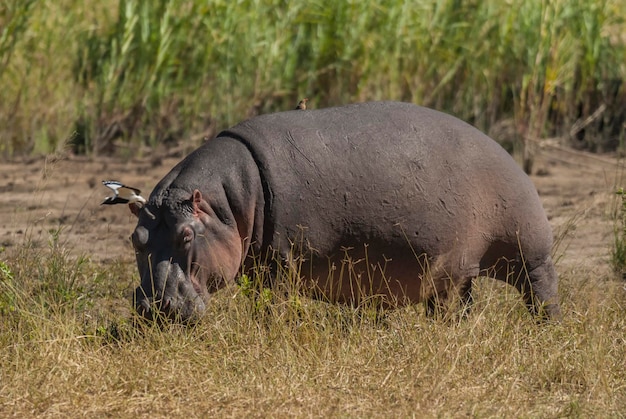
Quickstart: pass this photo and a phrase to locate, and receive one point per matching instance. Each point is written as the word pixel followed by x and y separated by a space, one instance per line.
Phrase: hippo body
pixel 381 198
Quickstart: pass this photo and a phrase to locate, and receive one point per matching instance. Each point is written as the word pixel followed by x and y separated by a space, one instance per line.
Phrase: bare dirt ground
pixel 40 195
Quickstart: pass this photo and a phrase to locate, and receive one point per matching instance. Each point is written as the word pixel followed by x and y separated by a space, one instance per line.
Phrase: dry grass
pixel 66 349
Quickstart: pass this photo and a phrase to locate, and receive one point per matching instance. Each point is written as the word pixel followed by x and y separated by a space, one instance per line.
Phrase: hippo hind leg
pixel 539 288
pixel 536 282
pixel 535 278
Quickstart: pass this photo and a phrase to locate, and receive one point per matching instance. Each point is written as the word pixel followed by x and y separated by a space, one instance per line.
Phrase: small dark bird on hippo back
pixel 302 104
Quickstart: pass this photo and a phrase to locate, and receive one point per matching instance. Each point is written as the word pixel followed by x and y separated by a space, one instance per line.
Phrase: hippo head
pixel 186 248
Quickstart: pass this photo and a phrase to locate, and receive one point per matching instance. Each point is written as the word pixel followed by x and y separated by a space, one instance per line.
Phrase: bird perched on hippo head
pixel 124 194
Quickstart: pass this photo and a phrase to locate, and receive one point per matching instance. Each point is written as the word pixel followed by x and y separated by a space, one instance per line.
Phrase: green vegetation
pixel 618 252
pixel 158 72
pixel 66 349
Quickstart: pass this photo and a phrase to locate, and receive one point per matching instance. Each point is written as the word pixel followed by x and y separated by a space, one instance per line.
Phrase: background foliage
pixel 157 72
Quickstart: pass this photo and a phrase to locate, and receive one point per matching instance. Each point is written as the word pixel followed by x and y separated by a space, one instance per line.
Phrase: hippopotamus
pixel 380 199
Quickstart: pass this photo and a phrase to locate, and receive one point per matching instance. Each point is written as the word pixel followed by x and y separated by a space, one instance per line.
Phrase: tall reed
pixel 152 72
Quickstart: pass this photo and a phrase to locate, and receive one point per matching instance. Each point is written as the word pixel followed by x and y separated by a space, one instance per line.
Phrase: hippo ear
pixel 196 199
pixel 200 205
pixel 197 196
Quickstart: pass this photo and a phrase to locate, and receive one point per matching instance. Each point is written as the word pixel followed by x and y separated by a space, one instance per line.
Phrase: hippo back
pixel 384 172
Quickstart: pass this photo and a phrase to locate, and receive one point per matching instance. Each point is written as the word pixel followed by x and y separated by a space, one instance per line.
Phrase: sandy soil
pixel 43 194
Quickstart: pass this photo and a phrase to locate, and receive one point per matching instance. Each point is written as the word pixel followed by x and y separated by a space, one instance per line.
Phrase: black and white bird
pixel 123 194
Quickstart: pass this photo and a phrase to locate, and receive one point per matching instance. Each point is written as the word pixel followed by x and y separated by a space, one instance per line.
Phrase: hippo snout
pixel 183 307
pixel 170 293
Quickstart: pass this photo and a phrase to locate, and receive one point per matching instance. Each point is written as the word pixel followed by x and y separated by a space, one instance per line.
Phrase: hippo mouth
pixel 177 297
pixel 185 307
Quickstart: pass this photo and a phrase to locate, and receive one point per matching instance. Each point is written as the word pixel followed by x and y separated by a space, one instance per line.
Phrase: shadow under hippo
pixel 415 201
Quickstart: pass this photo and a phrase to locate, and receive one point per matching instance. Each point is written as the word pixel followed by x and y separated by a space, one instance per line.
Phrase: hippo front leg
pixel 446 302
pixel 467 299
